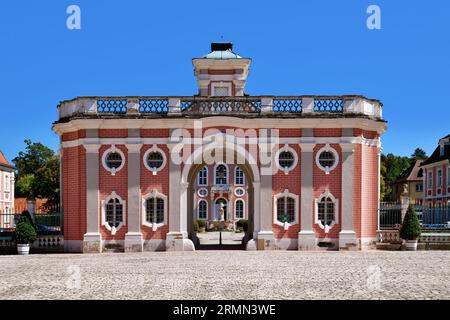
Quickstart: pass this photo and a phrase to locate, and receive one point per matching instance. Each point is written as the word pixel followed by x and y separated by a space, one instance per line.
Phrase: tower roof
pixel 222 51
pixel 4 162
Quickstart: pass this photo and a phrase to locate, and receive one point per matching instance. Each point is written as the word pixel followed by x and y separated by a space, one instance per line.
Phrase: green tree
pixel 37 172
pixel 392 167
pixel 419 154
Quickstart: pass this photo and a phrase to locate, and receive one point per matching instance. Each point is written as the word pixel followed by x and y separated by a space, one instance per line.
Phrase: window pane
pixel 239 209
pixel 113 160
pixel 239 176
pixel 286 159
pixel 155 160
pixel 202 209
pixel 221 174
pixel 159 210
pixel 326 159
pixel 291 209
pixel 280 209
pixel 150 210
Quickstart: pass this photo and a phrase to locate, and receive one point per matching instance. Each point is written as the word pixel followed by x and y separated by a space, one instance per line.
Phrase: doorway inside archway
pixel 220 214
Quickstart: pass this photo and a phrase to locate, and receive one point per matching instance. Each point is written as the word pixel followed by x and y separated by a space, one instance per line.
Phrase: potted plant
pixel 201 225
pixel 410 229
pixel 25 235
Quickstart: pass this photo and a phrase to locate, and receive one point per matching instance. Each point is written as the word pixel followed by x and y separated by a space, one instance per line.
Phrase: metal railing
pixel 390 215
pixel 254 105
pixel 221 105
pixel 431 217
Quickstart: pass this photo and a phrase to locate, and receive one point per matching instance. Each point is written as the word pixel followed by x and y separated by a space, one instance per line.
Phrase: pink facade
pixel 138 171
pixel 6 188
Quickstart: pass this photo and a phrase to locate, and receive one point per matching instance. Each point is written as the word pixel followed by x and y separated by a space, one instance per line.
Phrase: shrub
pixel 27 214
pixel 196 225
pixel 201 223
pixel 410 229
pixel 25 231
pixel 242 224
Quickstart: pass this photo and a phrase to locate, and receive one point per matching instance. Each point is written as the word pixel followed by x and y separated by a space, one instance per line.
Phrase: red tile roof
pixel 4 162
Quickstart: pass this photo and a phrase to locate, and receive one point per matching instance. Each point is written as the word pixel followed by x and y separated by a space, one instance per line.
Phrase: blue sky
pixel 298 47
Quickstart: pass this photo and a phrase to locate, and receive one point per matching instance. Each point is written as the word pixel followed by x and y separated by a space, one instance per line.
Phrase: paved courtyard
pixel 228 275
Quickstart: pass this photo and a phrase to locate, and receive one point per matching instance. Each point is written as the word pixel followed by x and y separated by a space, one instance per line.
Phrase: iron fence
pixel 390 215
pixel 430 217
pixel 47 221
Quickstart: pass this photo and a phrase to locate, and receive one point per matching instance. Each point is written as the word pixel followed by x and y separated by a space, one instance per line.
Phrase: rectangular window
pixel 221 92
pixel 430 180
pixel 439 178
pixel 239 177
pixel 239 209
pixel 419 187
pixel 202 210
pixel 203 177
pixel 448 176
pixel 7 182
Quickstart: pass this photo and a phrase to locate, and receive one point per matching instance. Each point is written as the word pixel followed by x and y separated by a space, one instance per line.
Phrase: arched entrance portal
pixel 188 203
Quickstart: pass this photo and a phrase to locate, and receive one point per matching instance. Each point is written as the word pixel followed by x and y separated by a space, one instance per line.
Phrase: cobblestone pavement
pixel 228 275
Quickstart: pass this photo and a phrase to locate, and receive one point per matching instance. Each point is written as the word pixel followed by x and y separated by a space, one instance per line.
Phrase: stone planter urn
pixel 411 245
pixel 23 249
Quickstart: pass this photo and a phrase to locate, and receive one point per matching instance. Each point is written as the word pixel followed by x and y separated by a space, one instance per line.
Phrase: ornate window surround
pixel 153 194
pixel 326 194
pixel 239 195
pixel 198 209
pixel 114 195
pixel 287 148
pixel 285 193
pixel 113 148
pixel 327 148
pixel 154 148
pixel 201 195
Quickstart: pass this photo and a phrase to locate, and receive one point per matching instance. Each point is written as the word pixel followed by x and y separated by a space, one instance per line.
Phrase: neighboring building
pixel 6 188
pixel 412 178
pixel 437 175
pixel 131 165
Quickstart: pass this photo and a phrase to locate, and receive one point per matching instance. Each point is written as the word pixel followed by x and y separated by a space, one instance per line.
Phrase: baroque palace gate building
pixel 137 171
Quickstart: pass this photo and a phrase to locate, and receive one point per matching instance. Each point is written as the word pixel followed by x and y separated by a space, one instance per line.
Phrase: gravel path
pixel 228 275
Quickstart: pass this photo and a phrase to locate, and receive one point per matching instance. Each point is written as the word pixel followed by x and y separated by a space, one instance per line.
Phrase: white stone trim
pixel 243 209
pixel 154 148
pixel 326 194
pixel 285 193
pixel 113 148
pixel 166 141
pixel 295 123
pixel 287 148
pixel 215 173
pixel 114 195
pixel 153 194
pixel 198 209
pixel 327 148
pixel 239 195
pixel 207 177
pixel 200 195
